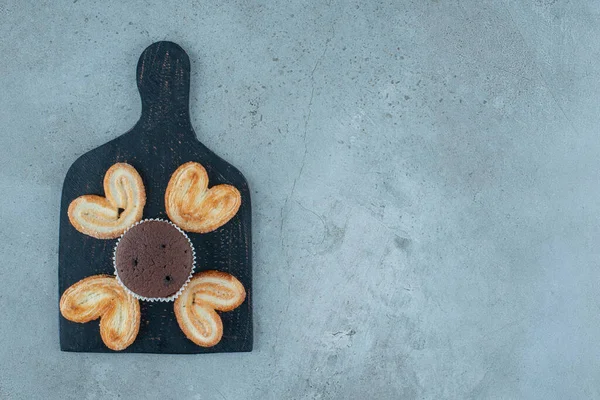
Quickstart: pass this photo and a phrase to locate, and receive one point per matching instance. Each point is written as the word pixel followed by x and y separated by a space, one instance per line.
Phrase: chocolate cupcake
pixel 154 260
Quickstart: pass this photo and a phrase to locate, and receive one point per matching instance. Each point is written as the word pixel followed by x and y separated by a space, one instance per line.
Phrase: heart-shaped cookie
pixel 108 217
pixel 101 296
pixel 195 307
pixel 195 208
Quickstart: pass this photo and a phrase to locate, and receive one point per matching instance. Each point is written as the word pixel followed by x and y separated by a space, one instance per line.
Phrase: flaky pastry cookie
pixel 101 296
pixel 195 208
pixel 108 217
pixel 195 307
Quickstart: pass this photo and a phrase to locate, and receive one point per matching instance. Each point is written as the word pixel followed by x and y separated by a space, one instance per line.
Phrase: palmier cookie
pixel 108 217
pixel 195 307
pixel 101 296
pixel 195 208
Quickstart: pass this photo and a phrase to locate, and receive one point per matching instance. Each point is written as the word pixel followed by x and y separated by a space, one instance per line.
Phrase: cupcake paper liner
pixel 152 299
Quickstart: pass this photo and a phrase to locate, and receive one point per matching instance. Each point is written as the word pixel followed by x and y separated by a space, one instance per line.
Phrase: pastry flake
pixel 195 208
pixel 108 217
pixel 101 296
pixel 195 307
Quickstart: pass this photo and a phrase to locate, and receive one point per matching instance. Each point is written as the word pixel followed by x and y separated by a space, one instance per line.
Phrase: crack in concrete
pixel 306 122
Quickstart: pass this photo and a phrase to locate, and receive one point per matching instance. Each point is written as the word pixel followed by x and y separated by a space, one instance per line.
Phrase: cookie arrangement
pixel 154 260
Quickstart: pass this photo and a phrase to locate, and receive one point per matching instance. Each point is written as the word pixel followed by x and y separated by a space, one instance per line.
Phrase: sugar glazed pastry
pixel 98 216
pixel 195 208
pixel 154 260
pixel 100 296
pixel 195 308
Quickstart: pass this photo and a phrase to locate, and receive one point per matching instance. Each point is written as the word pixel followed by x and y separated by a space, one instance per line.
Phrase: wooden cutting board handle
pixel 163 79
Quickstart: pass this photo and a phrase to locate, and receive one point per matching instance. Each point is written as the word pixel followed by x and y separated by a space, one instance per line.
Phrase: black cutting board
pixel 160 141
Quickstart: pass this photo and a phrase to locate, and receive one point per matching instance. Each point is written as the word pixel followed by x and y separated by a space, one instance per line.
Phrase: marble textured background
pixel 425 180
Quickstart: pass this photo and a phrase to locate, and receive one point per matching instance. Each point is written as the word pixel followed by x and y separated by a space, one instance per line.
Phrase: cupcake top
pixel 154 259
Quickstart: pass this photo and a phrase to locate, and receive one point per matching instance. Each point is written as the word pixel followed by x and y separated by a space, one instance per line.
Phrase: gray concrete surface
pixel 426 192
